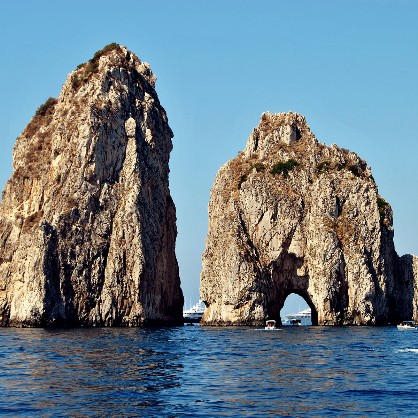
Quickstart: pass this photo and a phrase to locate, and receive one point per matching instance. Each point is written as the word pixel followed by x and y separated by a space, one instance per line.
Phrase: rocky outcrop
pixel 407 292
pixel 291 215
pixel 87 224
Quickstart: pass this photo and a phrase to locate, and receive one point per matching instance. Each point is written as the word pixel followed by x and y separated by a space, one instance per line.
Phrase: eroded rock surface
pixel 291 215
pixel 87 223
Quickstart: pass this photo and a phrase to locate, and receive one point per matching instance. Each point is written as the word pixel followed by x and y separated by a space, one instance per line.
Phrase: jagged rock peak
pixel 87 223
pixel 111 55
pixel 274 129
pixel 292 215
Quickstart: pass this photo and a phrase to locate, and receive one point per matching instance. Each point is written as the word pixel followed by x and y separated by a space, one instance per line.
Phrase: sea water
pixel 209 372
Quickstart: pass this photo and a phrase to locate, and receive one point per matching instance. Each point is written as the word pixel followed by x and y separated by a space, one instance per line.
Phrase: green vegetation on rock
pixel 91 66
pixel 242 180
pixel 259 167
pixel 283 167
pixel 323 167
pixel 382 204
pixel 47 107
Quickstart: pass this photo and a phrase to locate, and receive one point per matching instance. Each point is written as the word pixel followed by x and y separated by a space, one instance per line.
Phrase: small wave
pixel 407 350
pixel 361 348
pixel 269 330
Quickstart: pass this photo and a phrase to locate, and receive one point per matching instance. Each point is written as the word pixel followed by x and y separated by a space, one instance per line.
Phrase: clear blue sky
pixel 349 66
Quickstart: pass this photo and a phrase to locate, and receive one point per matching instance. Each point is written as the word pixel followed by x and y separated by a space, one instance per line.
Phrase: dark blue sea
pixel 209 372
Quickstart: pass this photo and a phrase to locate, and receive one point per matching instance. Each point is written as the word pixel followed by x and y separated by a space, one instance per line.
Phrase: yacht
pixel 300 318
pixel 194 313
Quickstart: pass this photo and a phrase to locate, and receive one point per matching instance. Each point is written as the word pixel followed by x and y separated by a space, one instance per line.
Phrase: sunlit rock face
pixel 291 215
pixel 87 223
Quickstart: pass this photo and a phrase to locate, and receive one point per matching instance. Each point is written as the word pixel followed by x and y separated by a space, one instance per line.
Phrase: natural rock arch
pixel 285 281
pixel 306 297
pixel 291 215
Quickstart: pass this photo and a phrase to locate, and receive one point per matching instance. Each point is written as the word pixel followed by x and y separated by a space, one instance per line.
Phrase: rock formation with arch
pixel 87 223
pixel 291 215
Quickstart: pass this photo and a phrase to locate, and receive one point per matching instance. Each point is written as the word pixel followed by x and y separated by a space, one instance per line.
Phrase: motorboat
pixel 301 318
pixel 270 325
pixel 407 326
pixel 194 314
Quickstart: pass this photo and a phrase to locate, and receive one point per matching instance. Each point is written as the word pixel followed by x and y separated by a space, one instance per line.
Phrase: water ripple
pixel 189 371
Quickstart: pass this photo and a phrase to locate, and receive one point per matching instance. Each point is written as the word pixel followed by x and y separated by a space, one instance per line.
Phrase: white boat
pixel 300 318
pixel 407 326
pixel 270 325
pixel 194 313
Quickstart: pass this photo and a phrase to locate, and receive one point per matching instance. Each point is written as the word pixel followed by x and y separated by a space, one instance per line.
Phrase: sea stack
pixel 291 215
pixel 87 223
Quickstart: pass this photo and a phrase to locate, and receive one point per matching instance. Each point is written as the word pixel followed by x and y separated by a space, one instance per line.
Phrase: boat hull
pixel 191 320
pixel 194 314
pixel 407 326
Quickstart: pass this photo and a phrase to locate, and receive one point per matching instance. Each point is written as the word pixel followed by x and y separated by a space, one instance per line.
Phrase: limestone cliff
pixel 87 223
pixel 291 215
